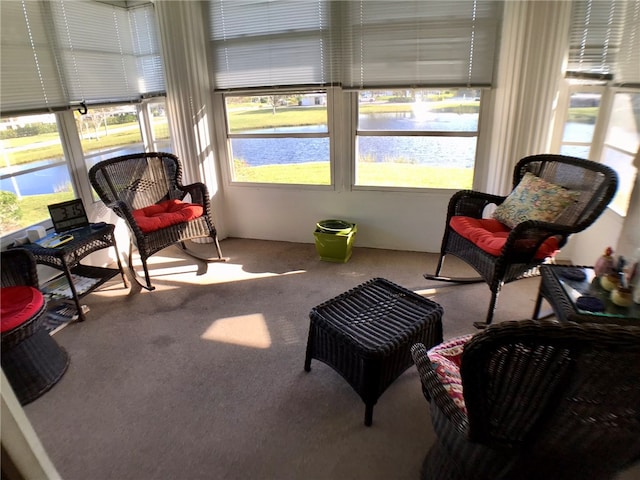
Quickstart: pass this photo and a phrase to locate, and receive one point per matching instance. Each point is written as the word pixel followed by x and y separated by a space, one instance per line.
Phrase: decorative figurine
pixel 605 264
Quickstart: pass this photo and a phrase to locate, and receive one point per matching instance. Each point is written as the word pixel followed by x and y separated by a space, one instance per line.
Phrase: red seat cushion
pixel 17 305
pixel 165 214
pixel 490 235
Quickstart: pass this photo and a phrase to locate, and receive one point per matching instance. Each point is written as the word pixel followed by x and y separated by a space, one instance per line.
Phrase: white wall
pixel 397 220
pixel 585 248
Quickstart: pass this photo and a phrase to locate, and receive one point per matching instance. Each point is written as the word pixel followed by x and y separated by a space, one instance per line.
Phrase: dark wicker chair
pixel 132 182
pixel 543 399
pixel 31 359
pixel 596 184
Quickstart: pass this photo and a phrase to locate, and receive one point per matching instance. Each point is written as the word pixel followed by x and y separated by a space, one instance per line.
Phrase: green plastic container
pixel 334 240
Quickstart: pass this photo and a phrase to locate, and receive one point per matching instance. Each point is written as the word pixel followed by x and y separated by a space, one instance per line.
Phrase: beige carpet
pixel 203 378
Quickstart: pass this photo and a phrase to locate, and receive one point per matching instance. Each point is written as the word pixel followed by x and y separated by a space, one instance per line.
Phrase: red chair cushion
pixel 18 304
pixel 165 214
pixel 490 235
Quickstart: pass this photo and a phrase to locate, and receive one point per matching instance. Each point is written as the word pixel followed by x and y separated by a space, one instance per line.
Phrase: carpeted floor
pixel 203 378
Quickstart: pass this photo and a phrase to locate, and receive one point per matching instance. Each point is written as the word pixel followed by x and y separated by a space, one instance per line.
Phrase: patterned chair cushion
pixel 18 304
pixel 490 235
pixel 445 360
pixel 165 214
pixel 534 199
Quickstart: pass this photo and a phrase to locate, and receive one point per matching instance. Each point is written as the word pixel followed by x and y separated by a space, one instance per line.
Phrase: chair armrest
pixel 199 194
pixel 198 191
pixel 470 203
pixel 526 238
pixel 434 391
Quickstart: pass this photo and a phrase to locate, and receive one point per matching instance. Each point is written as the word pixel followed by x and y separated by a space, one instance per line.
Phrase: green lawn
pixel 369 174
pixel 124 135
pixel 34 207
pixel 34 210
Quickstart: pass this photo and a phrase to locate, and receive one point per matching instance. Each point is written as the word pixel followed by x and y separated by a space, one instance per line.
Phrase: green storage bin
pixel 334 240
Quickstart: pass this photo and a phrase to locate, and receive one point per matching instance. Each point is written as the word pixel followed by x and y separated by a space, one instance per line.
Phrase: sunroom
pixel 296 111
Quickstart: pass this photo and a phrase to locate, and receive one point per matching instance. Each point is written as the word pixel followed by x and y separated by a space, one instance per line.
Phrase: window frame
pixel 603 119
pixel 411 133
pixel 342 112
pixel 75 160
pixel 226 135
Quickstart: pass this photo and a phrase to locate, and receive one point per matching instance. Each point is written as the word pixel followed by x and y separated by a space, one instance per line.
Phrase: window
pixel 577 136
pixel 55 57
pixel 109 131
pixel 417 138
pixel 157 114
pixel 603 124
pixel 621 143
pixel 279 138
pixel 393 56
pixel 603 109
pixel 34 173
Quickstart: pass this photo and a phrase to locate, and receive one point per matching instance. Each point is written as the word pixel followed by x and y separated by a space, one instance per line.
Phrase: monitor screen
pixel 68 215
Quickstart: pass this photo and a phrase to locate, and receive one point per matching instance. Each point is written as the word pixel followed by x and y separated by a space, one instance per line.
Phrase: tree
pixel 10 212
pixel 98 117
pixel 274 101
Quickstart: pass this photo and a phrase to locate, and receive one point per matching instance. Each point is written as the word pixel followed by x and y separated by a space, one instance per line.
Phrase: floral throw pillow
pixel 445 361
pixel 534 199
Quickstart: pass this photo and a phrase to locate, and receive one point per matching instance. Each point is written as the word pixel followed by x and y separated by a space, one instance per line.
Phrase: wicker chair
pixel 31 359
pixel 596 185
pixel 133 183
pixel 541 400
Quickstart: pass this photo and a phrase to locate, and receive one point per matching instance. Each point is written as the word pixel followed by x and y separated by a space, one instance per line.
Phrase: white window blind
pixel 59 53
pixel 146 48
pixel 361 44
pixel 420 43
pixel 29 77
pixel 605 40
pixel 260 43
pixel 109 53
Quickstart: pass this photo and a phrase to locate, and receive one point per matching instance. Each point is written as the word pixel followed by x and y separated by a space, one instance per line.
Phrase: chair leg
pixel 146 275
pixel 440 263
pixel 492 309
pixel 218 251
pixel 536 308
pixel 148 285
pixel 442 278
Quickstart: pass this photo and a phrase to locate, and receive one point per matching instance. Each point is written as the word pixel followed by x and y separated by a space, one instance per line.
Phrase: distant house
pixel 312 99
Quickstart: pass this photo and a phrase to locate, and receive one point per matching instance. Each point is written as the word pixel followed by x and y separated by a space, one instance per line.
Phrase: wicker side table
pixel 68 256
pixel 562 292
pixel 366 334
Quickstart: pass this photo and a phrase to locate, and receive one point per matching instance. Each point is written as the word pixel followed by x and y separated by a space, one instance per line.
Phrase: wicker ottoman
pixel 366 334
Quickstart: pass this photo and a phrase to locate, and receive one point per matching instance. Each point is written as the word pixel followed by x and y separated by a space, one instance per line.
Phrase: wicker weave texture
pixel 72 252
pixel 366 333
pixel 130 182
pixel 32 360
pixel 596 184
pixel 544 399
pixel 34 365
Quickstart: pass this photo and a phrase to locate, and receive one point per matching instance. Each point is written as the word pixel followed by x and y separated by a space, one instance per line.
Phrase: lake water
pixel 448 151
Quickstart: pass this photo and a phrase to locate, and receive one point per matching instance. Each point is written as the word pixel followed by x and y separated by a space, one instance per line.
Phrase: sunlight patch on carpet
pixel 426 291
pixel 245 330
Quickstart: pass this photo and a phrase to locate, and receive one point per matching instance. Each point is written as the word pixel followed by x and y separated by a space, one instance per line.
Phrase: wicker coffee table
pixel 366 334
